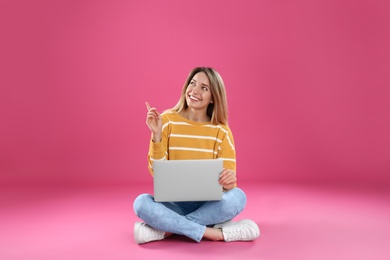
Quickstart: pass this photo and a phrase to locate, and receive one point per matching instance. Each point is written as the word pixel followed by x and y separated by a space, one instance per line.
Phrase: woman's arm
pixel 227 153
pixel 158 142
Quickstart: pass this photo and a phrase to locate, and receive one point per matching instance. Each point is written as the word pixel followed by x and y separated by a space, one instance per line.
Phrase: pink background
pixel 307 83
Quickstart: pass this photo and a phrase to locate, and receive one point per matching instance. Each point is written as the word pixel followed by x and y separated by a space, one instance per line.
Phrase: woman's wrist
pixel 156 138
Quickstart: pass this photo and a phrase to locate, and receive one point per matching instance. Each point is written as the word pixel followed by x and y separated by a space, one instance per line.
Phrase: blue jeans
pixel 189 218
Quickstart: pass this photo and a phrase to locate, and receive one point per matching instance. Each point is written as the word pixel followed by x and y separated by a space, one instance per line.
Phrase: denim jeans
pixel 189 218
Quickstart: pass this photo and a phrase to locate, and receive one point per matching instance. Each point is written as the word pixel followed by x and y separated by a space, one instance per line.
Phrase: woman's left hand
pixel 227 179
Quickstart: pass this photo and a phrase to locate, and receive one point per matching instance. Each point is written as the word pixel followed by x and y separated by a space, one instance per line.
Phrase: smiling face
pixel 198 93
pixel 203 97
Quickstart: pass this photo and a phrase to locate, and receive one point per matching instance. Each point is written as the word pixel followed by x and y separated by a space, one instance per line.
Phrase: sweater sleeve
pixel 227 150
pixel 159 150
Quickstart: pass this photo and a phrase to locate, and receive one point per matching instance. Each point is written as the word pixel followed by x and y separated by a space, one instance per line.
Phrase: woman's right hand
pixel 154 122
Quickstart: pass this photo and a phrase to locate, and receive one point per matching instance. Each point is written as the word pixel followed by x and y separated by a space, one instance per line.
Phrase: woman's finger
pixel 228 177
pixel 147 105
pixel 224 177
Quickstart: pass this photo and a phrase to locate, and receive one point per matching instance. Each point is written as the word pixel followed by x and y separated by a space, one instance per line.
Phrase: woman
pixel 196 128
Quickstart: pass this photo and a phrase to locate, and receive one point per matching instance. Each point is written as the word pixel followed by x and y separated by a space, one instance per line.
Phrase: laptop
pixel 187 180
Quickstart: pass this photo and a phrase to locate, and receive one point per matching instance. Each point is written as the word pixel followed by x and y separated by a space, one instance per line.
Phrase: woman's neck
pixel 196 116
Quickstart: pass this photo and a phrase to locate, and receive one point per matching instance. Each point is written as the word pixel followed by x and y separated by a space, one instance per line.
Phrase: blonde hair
pixel 217 111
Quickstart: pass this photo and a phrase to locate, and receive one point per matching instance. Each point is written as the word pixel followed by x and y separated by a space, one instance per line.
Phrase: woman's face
pixel 198 93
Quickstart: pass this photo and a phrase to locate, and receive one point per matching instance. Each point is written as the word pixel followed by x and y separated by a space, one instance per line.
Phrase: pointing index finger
pixel 147 105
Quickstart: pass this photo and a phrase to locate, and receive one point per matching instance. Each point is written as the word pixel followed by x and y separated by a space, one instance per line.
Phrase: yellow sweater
pixel 183 139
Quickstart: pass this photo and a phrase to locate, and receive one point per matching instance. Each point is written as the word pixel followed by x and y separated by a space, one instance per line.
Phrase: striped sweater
pixel 183 139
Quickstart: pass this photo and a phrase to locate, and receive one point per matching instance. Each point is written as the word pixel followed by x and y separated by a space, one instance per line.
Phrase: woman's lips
pixel 193 98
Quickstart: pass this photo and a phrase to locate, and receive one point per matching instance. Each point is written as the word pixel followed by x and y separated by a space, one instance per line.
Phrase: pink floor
pixel 296 222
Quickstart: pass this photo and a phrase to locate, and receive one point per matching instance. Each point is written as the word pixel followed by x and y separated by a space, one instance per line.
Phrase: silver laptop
pixel 187 180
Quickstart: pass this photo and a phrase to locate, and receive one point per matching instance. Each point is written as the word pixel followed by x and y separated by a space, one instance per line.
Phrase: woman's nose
pixel 195 89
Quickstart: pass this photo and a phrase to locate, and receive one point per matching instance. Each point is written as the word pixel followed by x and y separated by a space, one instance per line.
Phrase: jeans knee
pixel 241 197
pixel 140 202
pixel 236 199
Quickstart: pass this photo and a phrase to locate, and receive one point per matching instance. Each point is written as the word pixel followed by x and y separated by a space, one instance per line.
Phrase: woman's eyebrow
pixel 203 84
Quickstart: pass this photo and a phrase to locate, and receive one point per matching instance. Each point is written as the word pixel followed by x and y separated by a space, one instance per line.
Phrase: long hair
pixel 217 111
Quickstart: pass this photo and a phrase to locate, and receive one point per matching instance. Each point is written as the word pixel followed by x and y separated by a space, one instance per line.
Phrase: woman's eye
pixel 205 88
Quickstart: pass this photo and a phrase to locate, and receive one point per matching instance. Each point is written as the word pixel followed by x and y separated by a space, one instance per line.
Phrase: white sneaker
pixel 244 230
pixel 144 233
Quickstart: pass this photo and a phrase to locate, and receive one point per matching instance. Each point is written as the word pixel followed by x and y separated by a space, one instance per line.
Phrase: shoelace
pixel 235 234
pixel 153 233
